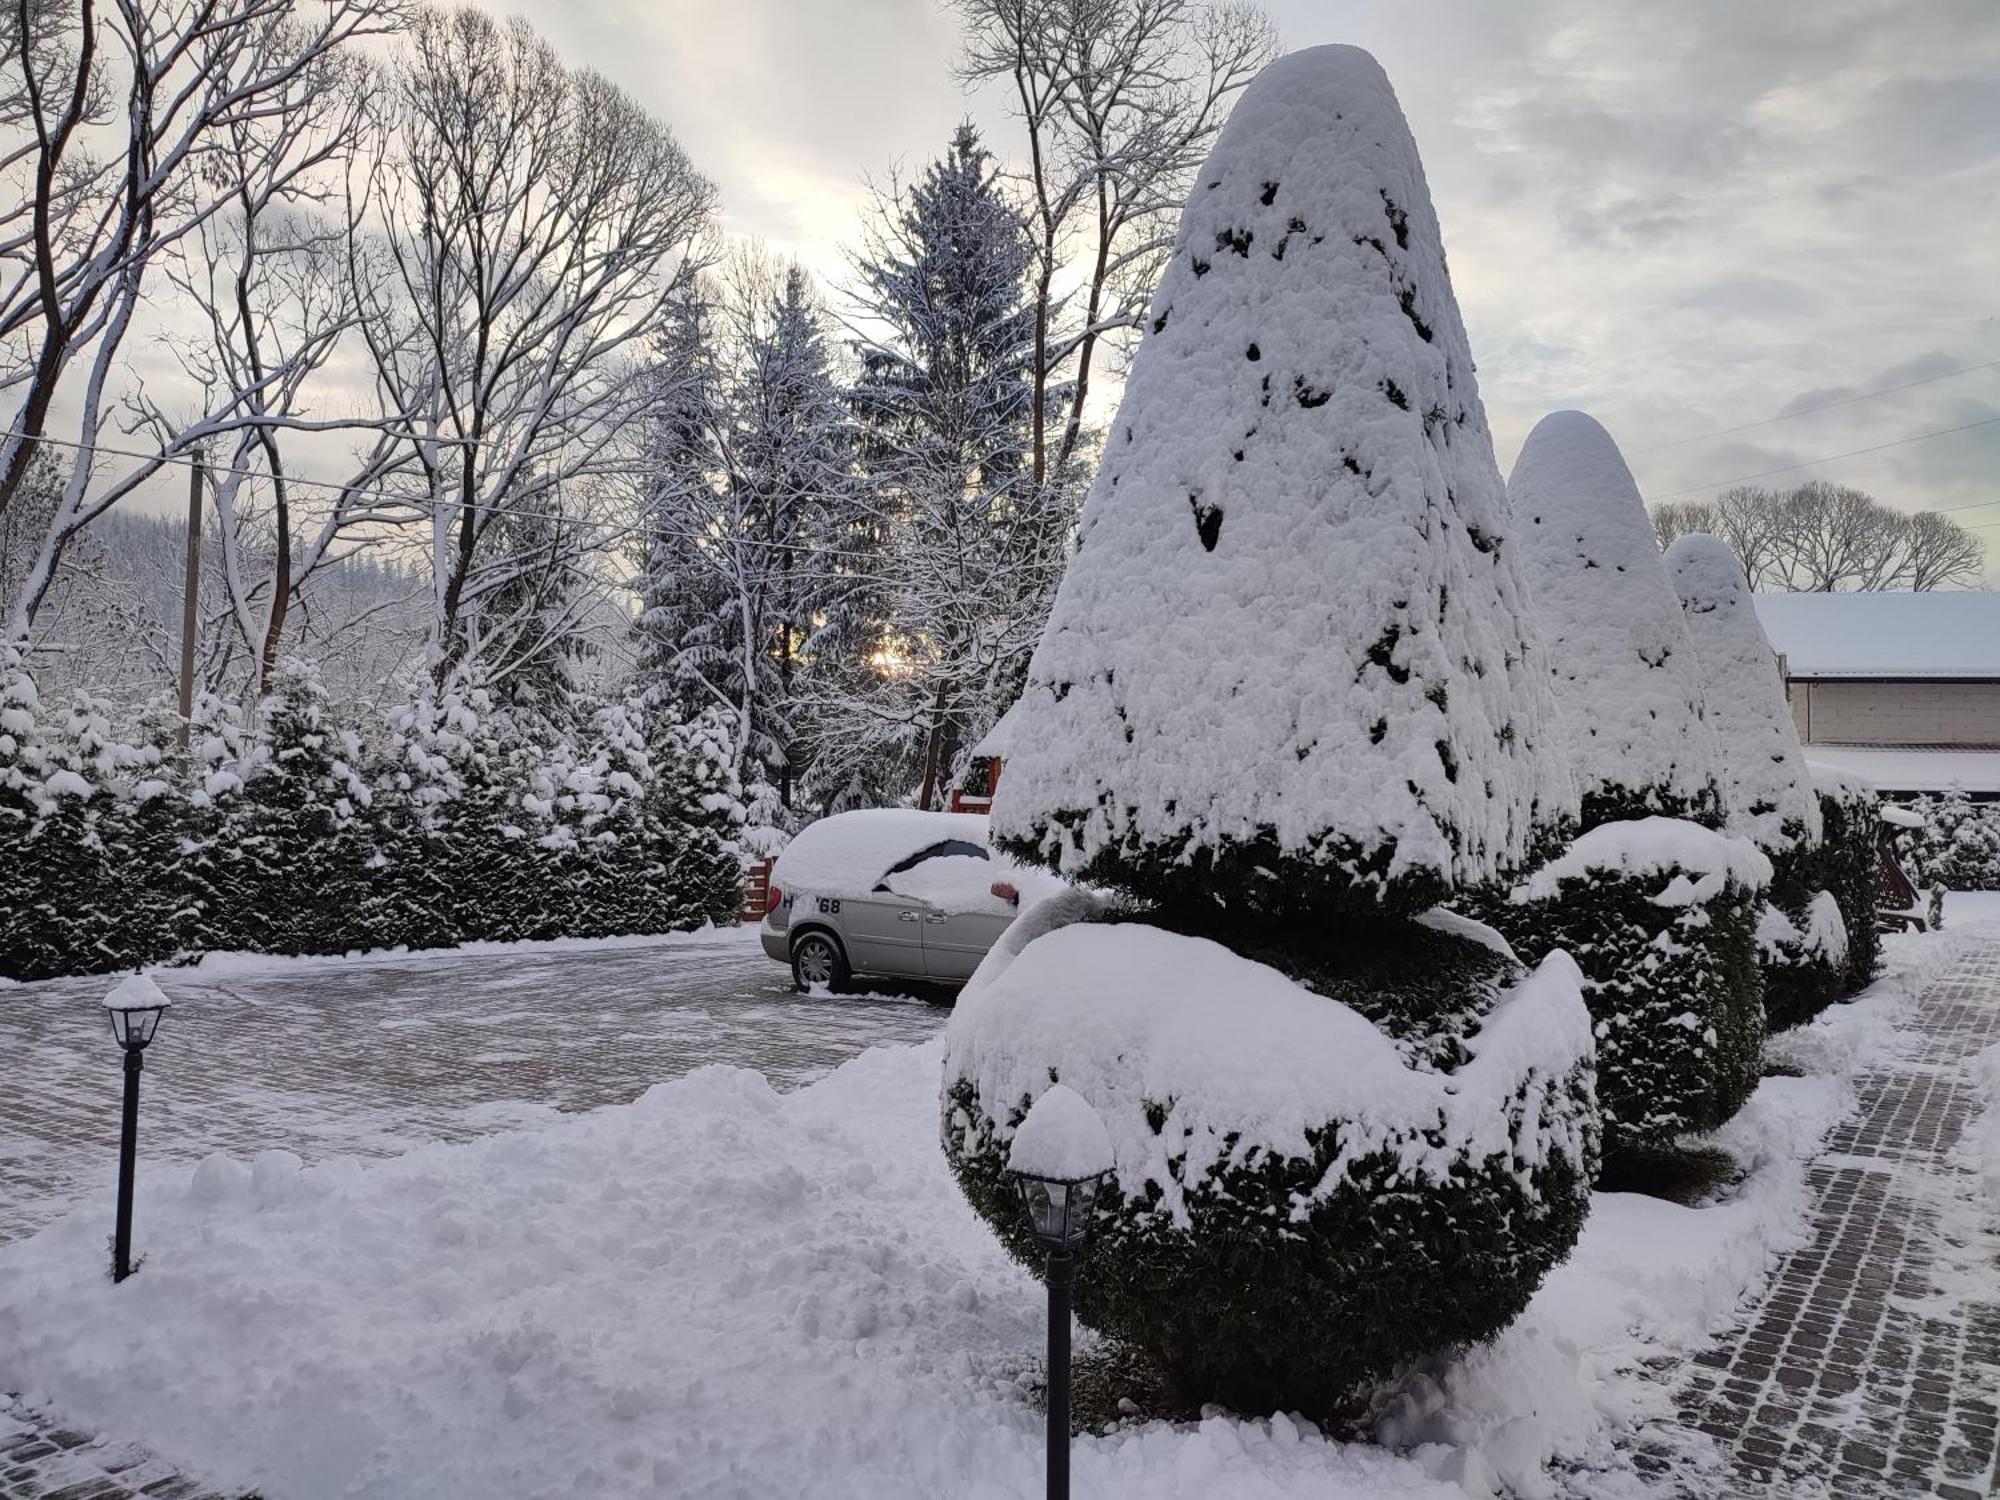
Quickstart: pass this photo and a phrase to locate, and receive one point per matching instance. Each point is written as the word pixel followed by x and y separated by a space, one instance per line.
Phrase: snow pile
pixel 1626 678
pixel 1062 1137
pixel 1980 1146
pixel 1767 791
pixel 1703 862
pixel 1244 1062
pixel 849 853
pixel 1295 632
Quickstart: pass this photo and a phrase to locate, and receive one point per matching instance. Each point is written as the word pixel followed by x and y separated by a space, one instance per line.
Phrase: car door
pixel 884 932
pixel 955 942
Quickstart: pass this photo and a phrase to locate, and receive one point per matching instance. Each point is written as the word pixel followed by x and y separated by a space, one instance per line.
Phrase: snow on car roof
pixel 850 852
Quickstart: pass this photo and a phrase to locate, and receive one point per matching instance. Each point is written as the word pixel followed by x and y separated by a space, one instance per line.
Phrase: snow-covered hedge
pixel 1304 1197
pixel 1957 848
pixel 1292 661
pixel 1661 917
pixel 288 838
pixel 1850 867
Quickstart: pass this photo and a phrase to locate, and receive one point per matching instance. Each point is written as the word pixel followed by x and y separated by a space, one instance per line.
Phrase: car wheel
pixel 818 963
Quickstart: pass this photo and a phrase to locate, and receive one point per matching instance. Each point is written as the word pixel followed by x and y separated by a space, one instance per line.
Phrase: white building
pixel 1901 688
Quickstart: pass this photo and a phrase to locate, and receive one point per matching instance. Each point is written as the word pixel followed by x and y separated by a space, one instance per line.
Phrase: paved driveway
pixel 371 1056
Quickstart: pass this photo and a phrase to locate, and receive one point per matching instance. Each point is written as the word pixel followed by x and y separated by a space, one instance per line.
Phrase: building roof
pixel 1946 633
pixel 1897 768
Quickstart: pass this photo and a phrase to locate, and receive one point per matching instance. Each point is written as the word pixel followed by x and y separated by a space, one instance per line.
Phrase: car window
pixel 963 847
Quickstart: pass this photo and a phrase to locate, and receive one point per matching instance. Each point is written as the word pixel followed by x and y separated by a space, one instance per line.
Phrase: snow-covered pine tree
pixel 1767 792
pixel 23 764
pixel 974 548
pixel 1295 557
pixel 1290 692
pixel 752 504
pixel 1850 866
pixel 416 876
pixel 1623 900
pixel 694 816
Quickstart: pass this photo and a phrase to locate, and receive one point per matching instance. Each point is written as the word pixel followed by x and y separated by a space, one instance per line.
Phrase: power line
pixel 1806 411
pixel 1919 437
pixel 417 501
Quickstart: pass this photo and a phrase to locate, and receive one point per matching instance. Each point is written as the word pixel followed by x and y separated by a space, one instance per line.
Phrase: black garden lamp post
pixel 135 1006
pixel 1060 1160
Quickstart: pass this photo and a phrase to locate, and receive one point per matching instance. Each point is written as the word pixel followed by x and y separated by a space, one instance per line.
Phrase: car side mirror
pixel 1005 890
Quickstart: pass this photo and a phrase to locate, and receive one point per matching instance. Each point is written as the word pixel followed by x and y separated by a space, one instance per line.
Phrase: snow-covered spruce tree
pixel 1658 909
pixel 23 764
pixel 415 877
pixel 1850 867
pixel 1959 845
pixel 1767 792
pixel 1288 696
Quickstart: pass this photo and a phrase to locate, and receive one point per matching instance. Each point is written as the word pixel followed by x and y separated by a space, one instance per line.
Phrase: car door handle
pixel 906 916
pixel 940 916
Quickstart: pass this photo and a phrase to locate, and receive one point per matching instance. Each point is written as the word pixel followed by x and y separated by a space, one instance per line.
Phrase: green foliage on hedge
pixel 1296 1281
pixel 1673 990
pixel 1802 976
pixel 1850 867
pixel 1957 848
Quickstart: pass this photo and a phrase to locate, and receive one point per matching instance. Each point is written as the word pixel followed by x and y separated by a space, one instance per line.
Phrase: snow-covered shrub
pixel 1958 847
pixel 1627 681
pixel 1292 657
pixel 1767 791
pixel 1291 694
pixel 1661 917
pixel 1303 1197
pixel 1850 867
pixel 1658 911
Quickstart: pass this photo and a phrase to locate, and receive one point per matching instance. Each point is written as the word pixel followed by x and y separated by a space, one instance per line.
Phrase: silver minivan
pixel 891 893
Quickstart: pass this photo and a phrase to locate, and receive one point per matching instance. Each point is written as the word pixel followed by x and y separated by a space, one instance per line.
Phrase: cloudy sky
pixel 1682 217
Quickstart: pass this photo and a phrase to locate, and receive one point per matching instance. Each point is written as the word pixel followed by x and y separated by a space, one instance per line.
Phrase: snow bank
pixel 1626 678
pixel 1708 861
pixel 1767 791
pixel 218 964
pixel 848 853
pixel 1295 619
pixel 1244 1061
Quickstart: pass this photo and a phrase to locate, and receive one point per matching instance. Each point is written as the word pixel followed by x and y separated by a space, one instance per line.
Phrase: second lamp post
pixel 1060 1160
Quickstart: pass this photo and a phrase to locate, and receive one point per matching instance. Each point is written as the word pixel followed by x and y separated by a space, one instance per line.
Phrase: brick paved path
pixel 40 1461
pixel 372 1057
pixel 1871 1366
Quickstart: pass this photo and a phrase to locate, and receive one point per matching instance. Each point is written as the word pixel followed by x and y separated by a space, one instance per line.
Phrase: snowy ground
pixel 373 1055
pixel 723 1290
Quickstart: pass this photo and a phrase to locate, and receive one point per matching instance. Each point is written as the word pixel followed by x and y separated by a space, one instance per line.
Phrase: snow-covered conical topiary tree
pixel 1291 692
pixel 1660 914
pixel 1627 681
pixel 1292 653
pixel 1767 791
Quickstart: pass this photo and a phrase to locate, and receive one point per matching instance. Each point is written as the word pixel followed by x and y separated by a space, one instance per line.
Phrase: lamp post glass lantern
pixel 1060 1161
pixel 135 1006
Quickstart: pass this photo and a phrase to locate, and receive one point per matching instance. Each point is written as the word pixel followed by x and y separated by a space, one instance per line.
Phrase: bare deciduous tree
pixel 1820 537
pixel 1120 101
pixel 80 229
pixel 536 223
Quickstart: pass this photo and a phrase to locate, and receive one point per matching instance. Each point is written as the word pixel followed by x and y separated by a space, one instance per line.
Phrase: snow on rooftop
pixel 1894 769
pixel 1941 633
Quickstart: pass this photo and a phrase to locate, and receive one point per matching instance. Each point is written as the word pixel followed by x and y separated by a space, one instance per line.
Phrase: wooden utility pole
pixel 190 604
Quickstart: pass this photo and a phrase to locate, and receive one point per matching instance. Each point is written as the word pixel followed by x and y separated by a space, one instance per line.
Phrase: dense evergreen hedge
pixel 1668 951
pixel 291 840
pixel 1957 848
pixel 1289 1282
pixel 1850 868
